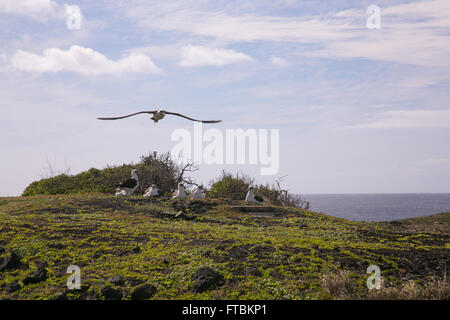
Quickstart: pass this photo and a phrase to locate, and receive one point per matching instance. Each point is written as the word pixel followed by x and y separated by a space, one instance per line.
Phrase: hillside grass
pixel 298 255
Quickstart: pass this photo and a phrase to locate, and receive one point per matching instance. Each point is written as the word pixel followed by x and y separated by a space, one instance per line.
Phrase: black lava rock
pixel 13 287
pixel 136 249
pixel 206 278
pixel 10 263
pixel 38 276
pixel 110 293
pixel 144 291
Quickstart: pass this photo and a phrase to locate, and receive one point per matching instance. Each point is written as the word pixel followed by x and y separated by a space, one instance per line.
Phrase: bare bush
pixel 339 285
pixel 49 170
pixel 411 290
pixel 282 197
pixel 163 171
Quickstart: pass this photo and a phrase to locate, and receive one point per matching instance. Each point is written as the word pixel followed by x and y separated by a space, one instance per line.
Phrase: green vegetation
pixel 154 168
pixel 229 186
pixel 163 171
pixel 294 254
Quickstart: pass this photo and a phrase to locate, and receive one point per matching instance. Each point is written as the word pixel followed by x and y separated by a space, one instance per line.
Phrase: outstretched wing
pixel 183 116
pixel 129 115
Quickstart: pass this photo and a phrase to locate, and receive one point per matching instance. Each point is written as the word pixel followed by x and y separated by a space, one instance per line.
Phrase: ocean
pixel 379 207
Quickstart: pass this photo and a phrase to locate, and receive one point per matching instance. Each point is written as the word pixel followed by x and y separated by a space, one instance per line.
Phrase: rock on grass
pixel 110 293
pixel 10 263
pixel 143 292
pixel 38 276
pixel 206 278
pixel 13 287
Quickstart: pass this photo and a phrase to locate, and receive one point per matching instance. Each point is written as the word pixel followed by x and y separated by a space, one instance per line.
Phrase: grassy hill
pixel 212 250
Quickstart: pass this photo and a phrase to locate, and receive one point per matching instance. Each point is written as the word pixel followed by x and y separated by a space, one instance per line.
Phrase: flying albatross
pixel 158 115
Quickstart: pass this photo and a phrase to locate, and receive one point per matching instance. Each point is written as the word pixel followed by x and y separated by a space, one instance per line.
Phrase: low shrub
pixel 230 186
pixel 161 170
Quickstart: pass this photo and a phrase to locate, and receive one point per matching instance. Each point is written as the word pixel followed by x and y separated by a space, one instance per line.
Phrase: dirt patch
pixel 419 263
pixel 59 210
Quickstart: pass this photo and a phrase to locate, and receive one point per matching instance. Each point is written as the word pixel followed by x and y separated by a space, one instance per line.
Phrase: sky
pixel 359 110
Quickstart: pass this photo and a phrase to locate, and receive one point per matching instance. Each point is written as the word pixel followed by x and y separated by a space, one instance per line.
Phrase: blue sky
pixel 359 110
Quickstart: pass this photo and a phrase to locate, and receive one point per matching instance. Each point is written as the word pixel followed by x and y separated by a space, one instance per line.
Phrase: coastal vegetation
pixel 136 248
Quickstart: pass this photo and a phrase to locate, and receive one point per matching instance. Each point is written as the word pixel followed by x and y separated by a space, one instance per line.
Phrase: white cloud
pixel 36 9
pixel 279 61
pixel 413 33
pixel 236 28
pixel 407 119
pixel 196 56
pixel 83 61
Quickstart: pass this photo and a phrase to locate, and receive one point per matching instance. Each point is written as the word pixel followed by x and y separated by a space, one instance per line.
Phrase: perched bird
pixel 152 191
pixel 160 114
pixel 251 198
pixel 129 186
pixel 180 193
pixel 198 193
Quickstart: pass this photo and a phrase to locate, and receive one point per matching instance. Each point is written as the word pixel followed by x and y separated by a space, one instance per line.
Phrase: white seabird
pixel 250 198
pixel 129 186
pixel 198 193
pixel 180 193
pixel 152 191
pixel 158 115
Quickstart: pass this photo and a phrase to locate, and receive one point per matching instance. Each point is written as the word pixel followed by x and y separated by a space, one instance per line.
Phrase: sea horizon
pixel 379 206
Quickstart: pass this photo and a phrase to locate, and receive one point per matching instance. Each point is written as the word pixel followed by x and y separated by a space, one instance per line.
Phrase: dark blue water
pixel 379 207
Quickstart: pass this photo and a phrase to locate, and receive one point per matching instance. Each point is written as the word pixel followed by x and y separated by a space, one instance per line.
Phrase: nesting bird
pixel 129 186
pixel 198 193
pixel 152 191
pixel 251 198
pixel 180 193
